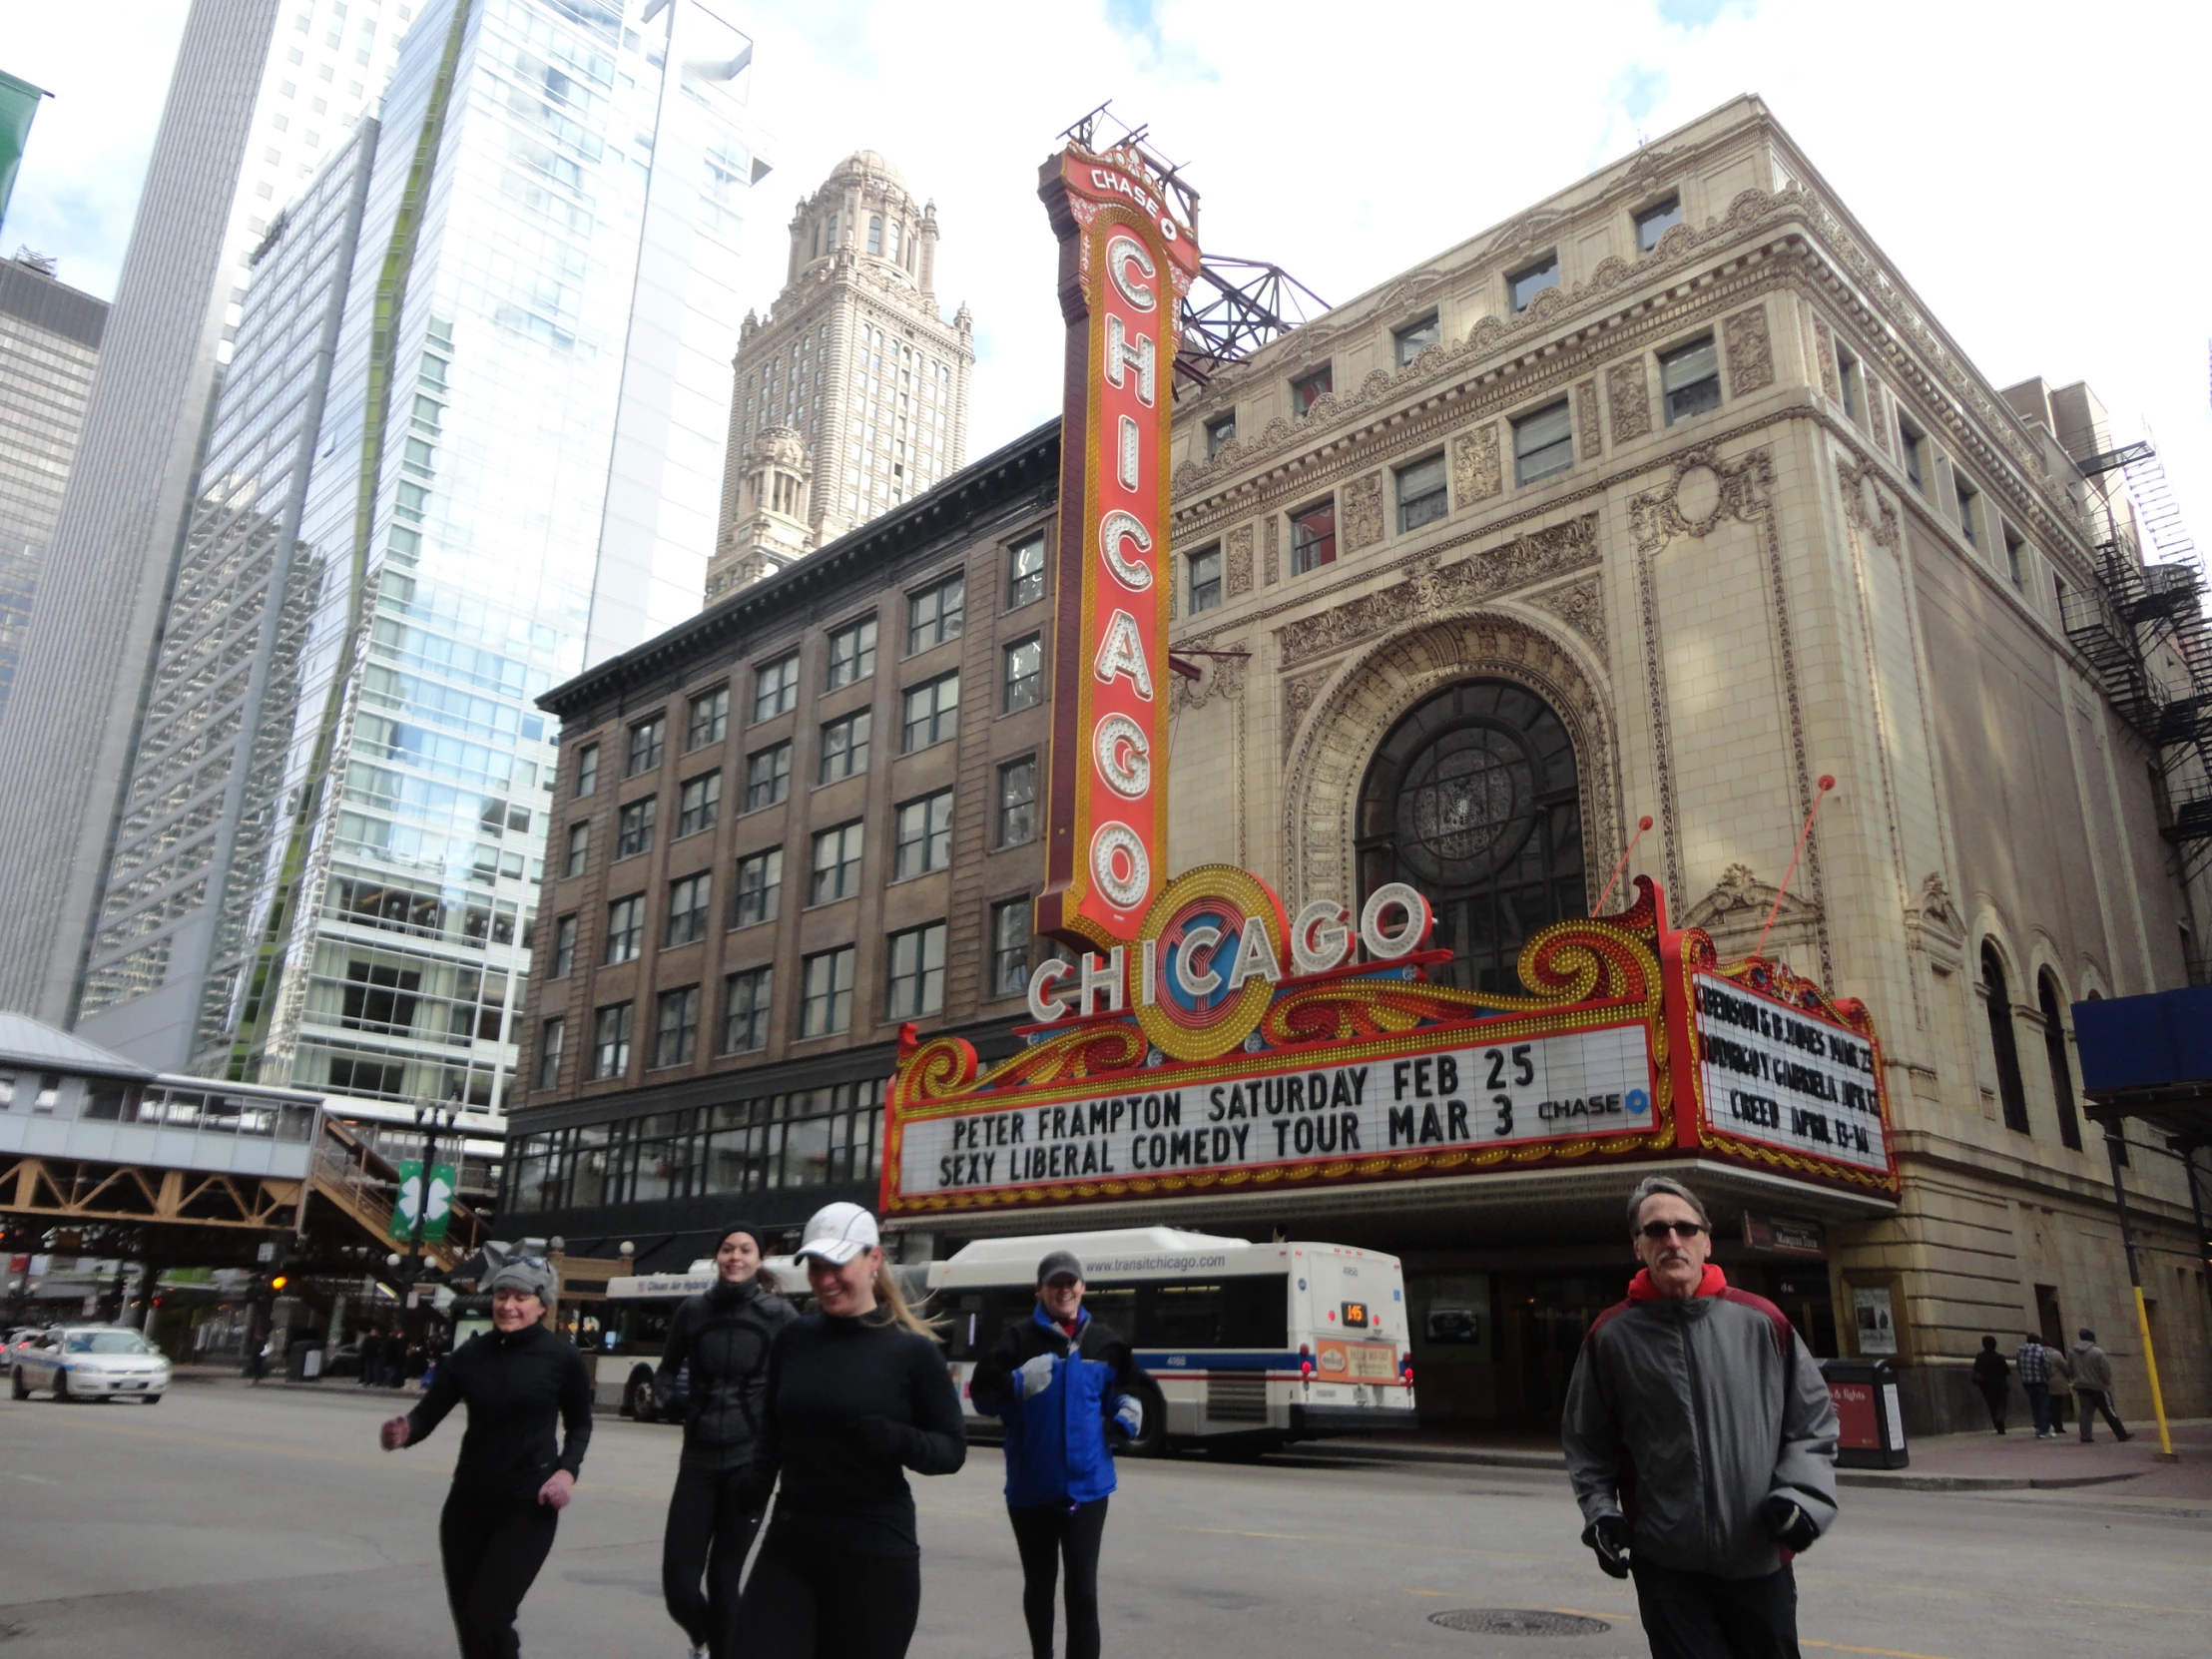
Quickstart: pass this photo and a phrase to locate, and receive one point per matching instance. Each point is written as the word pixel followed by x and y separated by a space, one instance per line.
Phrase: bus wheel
pixel 637 1399
pixel 1153 1443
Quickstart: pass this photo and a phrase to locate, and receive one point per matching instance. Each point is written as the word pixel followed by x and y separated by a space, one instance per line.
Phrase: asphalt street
pixel 228 1523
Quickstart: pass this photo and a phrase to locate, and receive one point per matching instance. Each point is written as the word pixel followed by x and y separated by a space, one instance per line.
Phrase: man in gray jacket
pixel 1701 1442
pixel 2092 1371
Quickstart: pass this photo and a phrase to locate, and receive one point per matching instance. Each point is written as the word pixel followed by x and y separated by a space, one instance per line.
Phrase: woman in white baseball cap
pixel 857 1393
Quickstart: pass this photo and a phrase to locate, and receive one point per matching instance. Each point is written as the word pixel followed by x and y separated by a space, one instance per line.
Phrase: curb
pixel 1973 1482
pixel 1352 1452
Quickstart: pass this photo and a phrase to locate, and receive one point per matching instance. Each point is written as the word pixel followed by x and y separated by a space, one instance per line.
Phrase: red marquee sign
pixel 1126 260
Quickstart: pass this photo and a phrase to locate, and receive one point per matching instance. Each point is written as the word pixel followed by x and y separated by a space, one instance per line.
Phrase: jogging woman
pixel 722 1336
pixel 1067 1388
pixel 856 1391
pixel 510 1483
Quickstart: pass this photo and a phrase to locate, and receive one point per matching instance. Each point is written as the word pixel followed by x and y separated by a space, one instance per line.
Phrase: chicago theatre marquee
pixel 1663 499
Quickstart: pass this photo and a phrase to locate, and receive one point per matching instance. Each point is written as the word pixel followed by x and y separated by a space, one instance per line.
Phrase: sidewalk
pixel 1941 1463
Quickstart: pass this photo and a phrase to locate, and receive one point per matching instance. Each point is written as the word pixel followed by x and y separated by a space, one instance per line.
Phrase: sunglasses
pixel 1657 1230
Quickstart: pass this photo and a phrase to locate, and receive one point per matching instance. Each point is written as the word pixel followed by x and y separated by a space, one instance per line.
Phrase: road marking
pixel 1881 1652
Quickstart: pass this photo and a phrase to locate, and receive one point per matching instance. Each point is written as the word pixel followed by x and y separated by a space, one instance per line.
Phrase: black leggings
pixel 802 1603
pixel 707 1535
pixel 1046 1535
pixel 492 1553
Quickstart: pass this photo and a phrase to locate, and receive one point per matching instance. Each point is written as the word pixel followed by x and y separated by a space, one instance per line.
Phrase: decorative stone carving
pixel 1703 491
pixel 1271 569
pixel 1627 390
pixel 1934 927
pixel 1824 349
pixel 1474 466
pixel 1580 605
pixel 1238 575
pixel 1362 704
pixel 1866 507
pixel 1750 350
pixel 1362 512
pixel 1430 590
pixel 1736 910
pixel 1587 443
pixel 1877 421
pixel 1219 678
pixel 1298 697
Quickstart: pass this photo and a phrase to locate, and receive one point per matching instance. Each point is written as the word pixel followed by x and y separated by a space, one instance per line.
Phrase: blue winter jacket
pixel 1057 1447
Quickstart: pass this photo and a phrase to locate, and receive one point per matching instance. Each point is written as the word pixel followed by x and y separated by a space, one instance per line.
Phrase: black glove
pixel 1608 1535
pixel 879 1438
pixel 1787 1525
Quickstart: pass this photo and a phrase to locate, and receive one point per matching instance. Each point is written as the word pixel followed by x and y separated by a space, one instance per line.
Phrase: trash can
pixel 1869 1420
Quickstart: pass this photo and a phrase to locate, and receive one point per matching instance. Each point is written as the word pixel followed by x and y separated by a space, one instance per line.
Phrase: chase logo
pixel 1636 1102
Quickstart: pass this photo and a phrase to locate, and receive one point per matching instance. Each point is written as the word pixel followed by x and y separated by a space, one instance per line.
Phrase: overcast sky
pixel 2035 170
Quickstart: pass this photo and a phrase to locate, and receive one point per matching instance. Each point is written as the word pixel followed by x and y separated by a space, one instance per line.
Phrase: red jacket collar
pixel 1641 1289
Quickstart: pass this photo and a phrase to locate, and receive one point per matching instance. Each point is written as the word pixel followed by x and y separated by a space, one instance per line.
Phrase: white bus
pixel 1247 1345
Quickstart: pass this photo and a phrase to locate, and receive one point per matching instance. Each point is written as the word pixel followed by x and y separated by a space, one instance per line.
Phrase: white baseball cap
pixel 836 1233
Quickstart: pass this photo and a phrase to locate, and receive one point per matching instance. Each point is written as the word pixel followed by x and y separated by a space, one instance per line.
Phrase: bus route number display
pixel 1561 1087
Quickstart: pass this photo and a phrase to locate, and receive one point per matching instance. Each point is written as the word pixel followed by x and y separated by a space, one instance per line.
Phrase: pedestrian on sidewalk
pixel 2035 1361
pixel 1989 1372
pixel 2092 1384
pixel 1700 1443
pixel 722 1336
pixel 857 1390
pixel 1066 1388
pixel 372 1352
pixel 511 1481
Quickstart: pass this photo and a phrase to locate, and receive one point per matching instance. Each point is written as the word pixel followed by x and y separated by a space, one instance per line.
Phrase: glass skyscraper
pixel 515 472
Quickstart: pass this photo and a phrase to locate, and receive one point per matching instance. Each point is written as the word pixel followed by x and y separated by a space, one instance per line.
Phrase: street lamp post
pixel 429 1119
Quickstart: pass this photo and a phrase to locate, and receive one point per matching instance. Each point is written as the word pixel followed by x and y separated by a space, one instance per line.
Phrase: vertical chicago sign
pixel 1127 257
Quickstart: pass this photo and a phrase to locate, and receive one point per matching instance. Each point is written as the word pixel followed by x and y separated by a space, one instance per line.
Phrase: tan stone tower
pixel 856 363
pixel 771 526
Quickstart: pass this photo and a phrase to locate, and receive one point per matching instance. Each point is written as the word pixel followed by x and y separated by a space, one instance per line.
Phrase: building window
pixel 587 769
pixel 1421 496
pixel 634 827
pixel 1690 380
pixel 1022 673
pixel 2054 1054
pixel 2014 566
pixel 1203 580
pixel 768 775
pixel 699 803
pixel 1911 439
pixel 924 836
pixel 1410 341
pixel 709 718
pixel 851 652
pixel 776 687
pixel 1011 948
pixel 610 1048
pixel 1314 537
pixel 745 1008
pixel 844 747
pixel 1017 802
pixel 1847 381
pixel 1524 285
pixel 579 848
pixel 1220 432
pixel 551 1034
pixel 1308 389
pixel 825 1002
pixel 688 908
pixel 1655 222
pixel 1025 572
pixel 648 743
pixel 675 1027
pixel 837 872
pixel 1964 493
pixel 2011 1092
pixel 760 882
pixel 564 947
pixel 875 234
pixel 931 713
pixel 625 930
pixel 915 982
pixel 1543 443
pixel 935 614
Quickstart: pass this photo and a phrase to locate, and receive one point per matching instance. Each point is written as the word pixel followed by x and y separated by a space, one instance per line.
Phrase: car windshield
pixel 105 1342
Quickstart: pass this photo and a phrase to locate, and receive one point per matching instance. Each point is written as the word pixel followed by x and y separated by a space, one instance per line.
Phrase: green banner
pixel 403 1211
pixel 19 101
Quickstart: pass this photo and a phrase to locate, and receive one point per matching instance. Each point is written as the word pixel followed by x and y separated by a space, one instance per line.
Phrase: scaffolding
pixel 2143 630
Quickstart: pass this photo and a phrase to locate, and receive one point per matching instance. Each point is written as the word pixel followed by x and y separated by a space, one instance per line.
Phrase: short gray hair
pixel 1653 1184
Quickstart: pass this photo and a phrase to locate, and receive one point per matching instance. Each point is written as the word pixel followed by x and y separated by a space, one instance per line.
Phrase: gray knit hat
pixel 528 1275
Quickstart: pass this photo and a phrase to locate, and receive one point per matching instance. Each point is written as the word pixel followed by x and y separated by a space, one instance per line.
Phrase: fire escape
pixel 2143 629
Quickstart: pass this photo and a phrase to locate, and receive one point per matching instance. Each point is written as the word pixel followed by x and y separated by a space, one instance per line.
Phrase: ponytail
pixel 893 1301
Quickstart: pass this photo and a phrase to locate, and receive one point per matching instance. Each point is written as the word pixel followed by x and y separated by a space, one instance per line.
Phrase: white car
pixel 91 1362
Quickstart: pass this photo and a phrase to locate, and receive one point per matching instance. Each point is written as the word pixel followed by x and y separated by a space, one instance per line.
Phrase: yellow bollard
pixel 2157 1399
